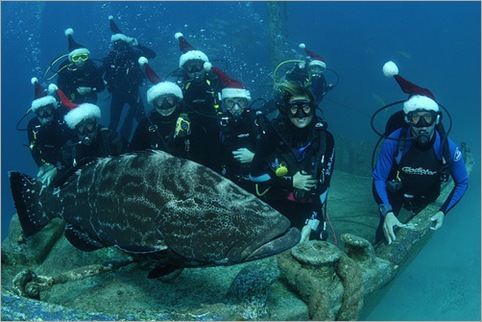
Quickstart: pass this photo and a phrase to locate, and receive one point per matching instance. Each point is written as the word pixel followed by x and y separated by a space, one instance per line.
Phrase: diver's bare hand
pixel 303 181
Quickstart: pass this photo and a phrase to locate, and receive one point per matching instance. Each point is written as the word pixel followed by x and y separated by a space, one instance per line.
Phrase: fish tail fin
pixel 26 193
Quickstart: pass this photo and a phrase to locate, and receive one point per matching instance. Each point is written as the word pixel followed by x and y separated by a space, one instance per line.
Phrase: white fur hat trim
pixel 191 55
pixel 318 63
pixel 43 101
pixel 420 102
pixel 82 112
pixel 235 92
pixel 163 88
pixel 122 37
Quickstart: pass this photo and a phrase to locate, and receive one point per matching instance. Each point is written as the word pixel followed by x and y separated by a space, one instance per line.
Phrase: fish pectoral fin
pixel 132 249
pixel 168 272
pixel 82 240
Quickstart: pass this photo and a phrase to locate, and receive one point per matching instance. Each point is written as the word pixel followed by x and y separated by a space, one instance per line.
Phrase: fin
pixel 141 249
pixel 26 197
pixel 82 240
pixel 164 271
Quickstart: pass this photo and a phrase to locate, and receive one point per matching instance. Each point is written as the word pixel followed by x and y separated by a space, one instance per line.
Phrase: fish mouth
pixel 279 244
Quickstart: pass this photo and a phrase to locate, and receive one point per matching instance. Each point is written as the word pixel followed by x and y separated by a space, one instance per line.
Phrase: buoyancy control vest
pixel 305 153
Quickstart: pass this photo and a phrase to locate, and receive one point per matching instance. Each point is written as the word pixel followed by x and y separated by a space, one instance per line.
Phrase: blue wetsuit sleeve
pixel 458 171
pixel 382 171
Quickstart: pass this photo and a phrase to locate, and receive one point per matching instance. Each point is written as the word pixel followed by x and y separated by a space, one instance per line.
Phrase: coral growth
pixel 325 278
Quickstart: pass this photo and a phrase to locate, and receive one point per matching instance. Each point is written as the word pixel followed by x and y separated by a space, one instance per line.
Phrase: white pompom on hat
pixel 40 96
pixel 190 53
pixel 390 69
pixel 161 87
pixel 419 98
pixel 316 60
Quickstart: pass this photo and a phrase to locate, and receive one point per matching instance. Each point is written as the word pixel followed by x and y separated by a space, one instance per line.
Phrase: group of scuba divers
pixel 282 152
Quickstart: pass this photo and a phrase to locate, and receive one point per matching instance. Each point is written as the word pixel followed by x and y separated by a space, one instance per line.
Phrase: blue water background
pixel 435 44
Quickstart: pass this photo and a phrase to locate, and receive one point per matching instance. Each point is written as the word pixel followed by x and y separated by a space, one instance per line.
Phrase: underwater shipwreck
pixel 45 277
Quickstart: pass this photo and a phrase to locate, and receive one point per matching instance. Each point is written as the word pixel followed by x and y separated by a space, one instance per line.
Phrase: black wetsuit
pixel 46 140
pixel 311 150
pixel 157 132
pixel 124 76
pixel 106 143
pixel 236 133
pixel 70 78
pixel 202 102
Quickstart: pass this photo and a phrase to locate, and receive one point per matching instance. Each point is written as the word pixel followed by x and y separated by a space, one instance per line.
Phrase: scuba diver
pixel 201 89
pixel 123 77
pixel 91 139
pixel 78 76
pixel 240 131
pixel 293 164
pixel 414 160
pixel 167 127
pixel 309 71
pixel 47 133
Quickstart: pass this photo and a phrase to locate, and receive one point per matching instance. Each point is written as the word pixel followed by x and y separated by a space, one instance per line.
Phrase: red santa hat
pixel 117 33
pixel 77 112
pixel 419 98
pixel 190 53
pixel 74 47
pixel 316 60
pixel 40 96
pixel 161 87
pixel 231 87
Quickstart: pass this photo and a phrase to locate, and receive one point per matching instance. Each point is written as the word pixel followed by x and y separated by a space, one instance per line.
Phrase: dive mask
pixel 45 114
pixel 316 71
pixel 422 118
pixel 236 106
pixel 80 57
pixel 166 105
pixel 87 131
pixel 300 108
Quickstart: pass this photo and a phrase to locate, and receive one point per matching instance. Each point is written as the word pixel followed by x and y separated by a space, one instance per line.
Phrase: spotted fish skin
pixel 154 203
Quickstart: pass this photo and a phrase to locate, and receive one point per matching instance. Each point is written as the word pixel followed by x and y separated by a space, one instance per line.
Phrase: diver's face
pixel 300 111
pixel 195 69
pixel 120 45
pixel 87 131
pixel 235 105
pixel 423 125
pixel 45 114
pixel 166 104
pixel 79 59
pixel 316 71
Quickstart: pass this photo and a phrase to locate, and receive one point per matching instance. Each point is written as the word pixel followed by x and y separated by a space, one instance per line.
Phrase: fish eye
pixel 235 209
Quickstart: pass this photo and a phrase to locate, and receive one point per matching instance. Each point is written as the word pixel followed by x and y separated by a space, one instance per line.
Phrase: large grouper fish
pixel 151 204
